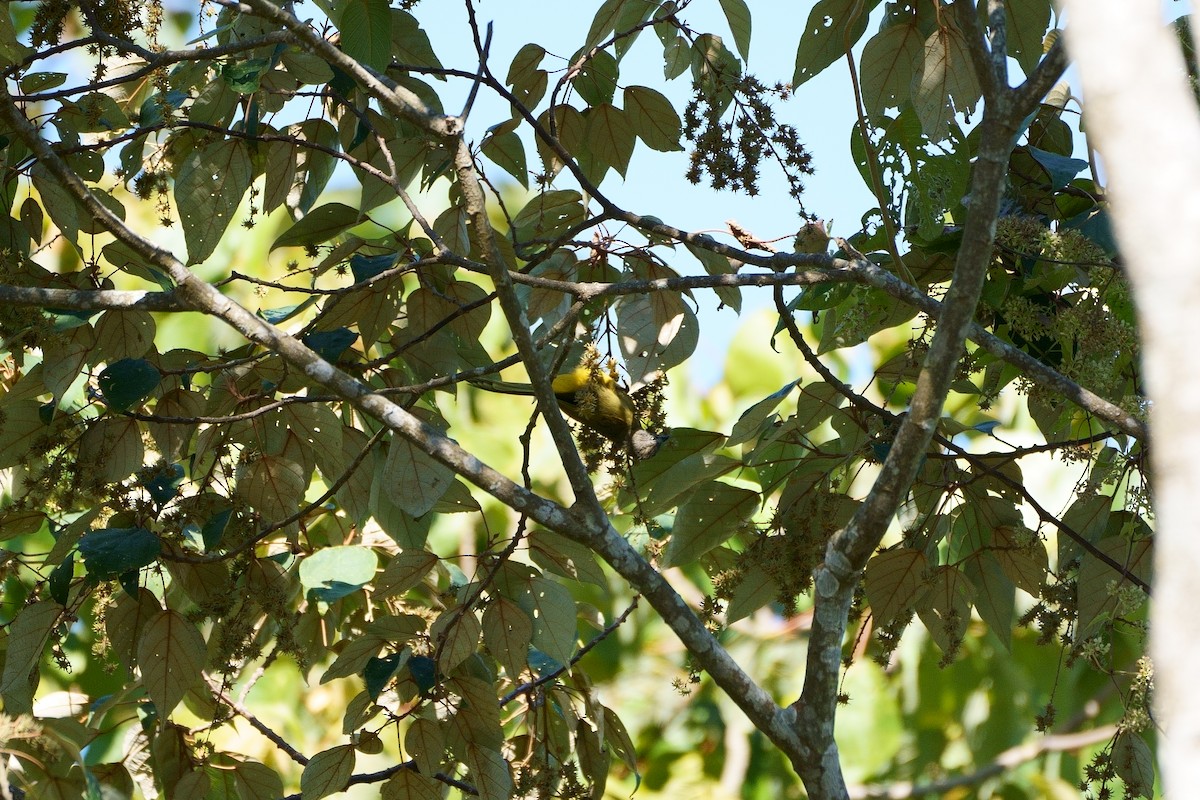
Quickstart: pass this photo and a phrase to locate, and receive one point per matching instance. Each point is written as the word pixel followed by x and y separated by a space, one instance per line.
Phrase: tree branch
pixel 848 550
pixel 1145 124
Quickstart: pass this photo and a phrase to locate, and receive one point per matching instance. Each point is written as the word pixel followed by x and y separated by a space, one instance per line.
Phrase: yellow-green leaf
pixel 124 334
pixel 893 582
pixel 274 486
pixel 112 448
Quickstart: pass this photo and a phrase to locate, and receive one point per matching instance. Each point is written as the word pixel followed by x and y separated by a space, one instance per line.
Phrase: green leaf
pixel 451 225
pixel 709 517
pixel 255 781
pixel 378 672
pixel 894 580
pixel 666 482
pixel 565 557
pixel 717 264
pixel 128 382
pixel 945 82
pixel 406 570
pixel 327 772
pixel 832 29
pixel 653 118
pixel 754 591
pixel 108 552
pixel 60 580
pixel 112 447
pixel 426 745
pixel 64 211
pixel 208 191
pixel 214 528
pixel 307 68
pixel 334 572
pixel 413 480
pixel 1134 764
pixel 1098 581
pixel 244 77
pixel 1025 24
pixel 552 609
pixel 330 345
pixel 945 609
pixel 886 69
pixel 36 82
pixel 503 146
pixel 1062 170
pixel 171 654
pixel 27 637
pixel 568 124
pixel 273 485
pixel 995 597
pixel 366 27
pixel 634 13
pixel 353 657
pixel 737 14
pixel 548 214
pixel 610 136
pixel 423 671
pixel 507 633
pixel 1022 557
pixel 677 56
pixel 753 418
pixel 489 773
pixel 410 42
pixel 319 225
pixel 525 64
pixel 604 22
pixel 596 82
pixel 456 633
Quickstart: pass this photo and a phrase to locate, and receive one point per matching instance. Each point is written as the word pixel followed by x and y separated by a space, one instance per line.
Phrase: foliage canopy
pixel 193 515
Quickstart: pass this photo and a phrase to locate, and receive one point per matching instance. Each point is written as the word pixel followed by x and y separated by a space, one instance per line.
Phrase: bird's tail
pixel 502 387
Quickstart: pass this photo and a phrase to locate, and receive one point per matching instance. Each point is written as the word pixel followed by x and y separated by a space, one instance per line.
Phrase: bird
pixel 592 398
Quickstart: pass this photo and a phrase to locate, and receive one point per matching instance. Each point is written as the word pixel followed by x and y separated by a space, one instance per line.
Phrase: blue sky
pixel 822 110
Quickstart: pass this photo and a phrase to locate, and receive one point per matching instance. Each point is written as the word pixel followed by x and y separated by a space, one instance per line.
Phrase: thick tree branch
pixel 89 299
pixel 846 555
pixel 1145 124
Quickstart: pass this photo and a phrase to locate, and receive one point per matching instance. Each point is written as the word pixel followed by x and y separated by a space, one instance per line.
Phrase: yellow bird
pixel 592 398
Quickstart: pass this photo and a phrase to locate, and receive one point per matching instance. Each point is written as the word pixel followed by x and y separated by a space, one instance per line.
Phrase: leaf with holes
pixel 709 517
pixel 208 191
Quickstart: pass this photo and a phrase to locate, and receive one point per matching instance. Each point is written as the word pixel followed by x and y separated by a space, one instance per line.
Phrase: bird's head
pixel 644 444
